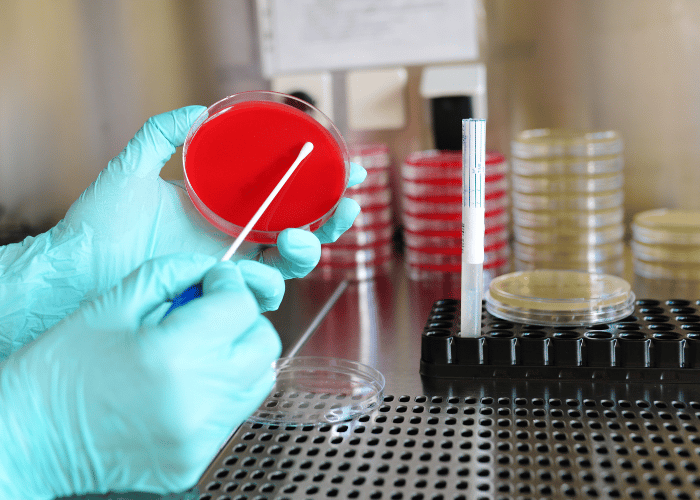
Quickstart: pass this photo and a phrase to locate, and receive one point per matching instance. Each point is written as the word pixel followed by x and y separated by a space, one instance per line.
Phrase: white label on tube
pixel 473 188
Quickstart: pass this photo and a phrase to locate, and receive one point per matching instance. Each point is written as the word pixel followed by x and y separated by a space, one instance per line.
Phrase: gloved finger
pixel 357 174
pixel 149 286
pixel 296 254
pixel 266 283
pixel 340 221
pixel 155 142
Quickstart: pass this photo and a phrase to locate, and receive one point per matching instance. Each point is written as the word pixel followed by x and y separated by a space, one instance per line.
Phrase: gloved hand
pixel 113 399
pixel 127 216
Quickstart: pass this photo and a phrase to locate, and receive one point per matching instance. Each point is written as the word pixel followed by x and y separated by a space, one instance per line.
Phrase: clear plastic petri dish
pixel 550 142
pixel 434 164
pixel 612 266
pixel 493 236
pixel 371 217
pixel 438 226
pixel 376 178
pixel 568 218
pixel 568 166
pixel 355 237
pixel 666 270
pixel 687 254
pixel 572 255
pixel 569 235
pixel 371 156
pixel 568 201
pixel 376 197
pixel 559 298
pixel 452 205
pixel 236 152
pixel 312 390
pixel 555 184
pixel 451 188
pixel 665 226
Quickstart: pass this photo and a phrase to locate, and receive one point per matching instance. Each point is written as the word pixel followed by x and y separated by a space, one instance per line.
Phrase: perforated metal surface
pixel 486 445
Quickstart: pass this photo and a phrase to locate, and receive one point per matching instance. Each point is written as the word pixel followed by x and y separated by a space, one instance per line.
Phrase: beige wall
pixel 78 77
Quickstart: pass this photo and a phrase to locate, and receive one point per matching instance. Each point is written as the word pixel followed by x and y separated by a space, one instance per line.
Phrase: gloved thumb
pixel 155 142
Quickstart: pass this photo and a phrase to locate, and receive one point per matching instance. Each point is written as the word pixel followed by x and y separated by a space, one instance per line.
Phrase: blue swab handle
pixel 190 293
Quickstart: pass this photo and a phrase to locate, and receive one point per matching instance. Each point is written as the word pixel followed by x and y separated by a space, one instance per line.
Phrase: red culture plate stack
pixel 365 249
pixel 431 205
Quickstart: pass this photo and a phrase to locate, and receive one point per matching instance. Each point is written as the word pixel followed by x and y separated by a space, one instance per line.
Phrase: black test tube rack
pixel 660 341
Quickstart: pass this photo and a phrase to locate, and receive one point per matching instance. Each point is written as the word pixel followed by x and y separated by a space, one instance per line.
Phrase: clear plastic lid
pixel 377 197
pixel 434 164
pixel 556 184
pixel 664 226
pixel 569 235
pixel 669 254
pixel 373 217
pixel 559 297
pixel 316 390
pixel 568 218
pixel 375 179
pixel 548 143
pixel 371 156
pixel 568 201
pixel 568 166
pixel 572 254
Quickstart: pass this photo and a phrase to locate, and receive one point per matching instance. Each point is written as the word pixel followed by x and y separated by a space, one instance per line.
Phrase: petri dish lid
pixel 573 254
pixel 582 219
pixel 569 235
pixel 666 253
pixel 666 270
pixel 613 266
pixel 664 226
pixel 371 156
pixel 559 297
pixel 552 142
pixel 568 201
pixel 555 184
pixel 312 390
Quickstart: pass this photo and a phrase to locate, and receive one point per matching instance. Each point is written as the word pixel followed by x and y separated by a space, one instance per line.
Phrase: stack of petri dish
pixel 431 213
pixel 366 248
pixel 567 200
pixel 666 244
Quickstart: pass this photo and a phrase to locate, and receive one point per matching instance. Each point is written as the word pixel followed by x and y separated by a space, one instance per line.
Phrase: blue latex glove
pixel 127 216
pixel 112 399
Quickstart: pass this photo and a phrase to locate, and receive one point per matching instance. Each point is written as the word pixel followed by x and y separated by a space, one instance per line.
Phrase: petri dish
pixel 568 166
pixel 237 151
pixel 687 254
pixel 560 218
pixel 372 217
pixel 355 237
pixel 665 226
pixel 450 187
pixel 552 142
pixel 419 272
pixel 436 225
pixel 435 164
pixel 371 156
pixel 568 201
pixel 559 297
pixel 376 178
pixel 452 257
pixel 493 236
pixel 452 205
pixel 555 184
pixel 375 197
pixel 569 235
pixel 614 266
pixel 569 254
pixel 313 390
pixel 665 270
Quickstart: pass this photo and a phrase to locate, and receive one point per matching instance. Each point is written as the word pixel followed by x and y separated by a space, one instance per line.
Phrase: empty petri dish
pixel 559 297
pixel 547 142
pixel 313 390
pixel 664 226
pixel 239 148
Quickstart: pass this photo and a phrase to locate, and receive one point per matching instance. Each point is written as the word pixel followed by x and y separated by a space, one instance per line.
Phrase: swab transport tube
pixel 473 175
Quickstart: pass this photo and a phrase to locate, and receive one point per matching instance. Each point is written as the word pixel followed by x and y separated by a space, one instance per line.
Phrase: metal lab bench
pixel 495 437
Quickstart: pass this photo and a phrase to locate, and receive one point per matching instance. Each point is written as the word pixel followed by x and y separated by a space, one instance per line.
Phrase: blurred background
pixel 79 77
